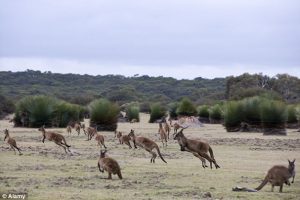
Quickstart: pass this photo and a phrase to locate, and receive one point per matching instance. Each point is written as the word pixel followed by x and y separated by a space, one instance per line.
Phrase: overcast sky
pixel 181 39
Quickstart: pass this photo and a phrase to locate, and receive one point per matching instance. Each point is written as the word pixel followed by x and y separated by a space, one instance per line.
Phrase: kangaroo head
pixel 292 164
pixel 178 135
pixel 131 134
pixel 102 153
pixel 42 128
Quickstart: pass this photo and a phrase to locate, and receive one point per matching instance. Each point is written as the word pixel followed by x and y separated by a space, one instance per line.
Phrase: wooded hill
pixel 82 89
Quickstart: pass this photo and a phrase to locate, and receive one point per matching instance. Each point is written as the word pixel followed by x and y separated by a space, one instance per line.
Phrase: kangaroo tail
pixel 66 142
pixel 265 181
pixel 158 151
pixel 120 175
pixel 211 153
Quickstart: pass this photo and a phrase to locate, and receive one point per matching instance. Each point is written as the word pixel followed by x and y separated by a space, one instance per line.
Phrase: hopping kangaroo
pixel 55 137
pixel 278 175
pixel 100 139
pixel 146 144
pixel 162 134
pixel 123 138
pixel 108 164
pixel 12 142
pixel 197 147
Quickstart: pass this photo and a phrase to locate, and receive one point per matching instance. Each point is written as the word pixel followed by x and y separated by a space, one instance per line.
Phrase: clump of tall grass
pixel 157 112
pixel 172 107
pixel 186 108
pixel 233 115
pixel 291 114
pixel 133 112
pixel 273 116
pixel 35 111
pixel 215 113
pixel 251 109
pixel 104 114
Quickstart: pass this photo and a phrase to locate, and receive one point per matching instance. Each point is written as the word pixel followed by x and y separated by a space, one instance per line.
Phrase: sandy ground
pixel 44 171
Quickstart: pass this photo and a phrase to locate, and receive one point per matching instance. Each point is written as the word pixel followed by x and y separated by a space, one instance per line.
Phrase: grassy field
pixel 44 171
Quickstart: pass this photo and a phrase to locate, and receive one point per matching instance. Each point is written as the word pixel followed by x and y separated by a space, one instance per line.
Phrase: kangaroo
pixel 100 139
pixel 108 164
pixel 90 132
pixel 133 121
pixel 77 127
pixel 123 138
pixel 167 129
pixel 196 147
pixel 278 175
pixel 146 144
pixel 12 142
pixel 55 137
pixel 163 135
pixel 69 130
pixel 176 126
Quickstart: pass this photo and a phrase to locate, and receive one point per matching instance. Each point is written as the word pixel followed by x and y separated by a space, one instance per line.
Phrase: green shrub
pixel 273 114
pixel 157 112
pixel 145 107
pixel 233 115
pixel 172 107
pixel 203 111
pixel 133 112
pixel 104 114
pixel 6 106
pixel 186 108
pixel 251 109
pixel 291 114
pixel 215 113
pixel 297 112
pixel 35 111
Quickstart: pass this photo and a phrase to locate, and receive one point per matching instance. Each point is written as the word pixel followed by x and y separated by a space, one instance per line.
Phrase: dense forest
pixel 82 89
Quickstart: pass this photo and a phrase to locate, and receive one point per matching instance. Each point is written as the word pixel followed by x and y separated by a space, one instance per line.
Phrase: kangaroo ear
pixel 294 160
pixel 289 160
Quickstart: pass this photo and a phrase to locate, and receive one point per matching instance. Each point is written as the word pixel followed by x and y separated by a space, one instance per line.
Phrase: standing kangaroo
pixel 163 135
pixel 12 142
pixel 69 130
pixel 108 164
pixel 90 132
pixel 100 139
pixel 55 137
pixel 278 175
pixel 197 147
pixel 77 127
pixel 167 129
pixel 146 144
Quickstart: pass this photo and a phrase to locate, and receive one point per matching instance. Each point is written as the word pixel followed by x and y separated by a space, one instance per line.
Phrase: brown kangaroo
pixel 146 144
pixel 123 138
pixel 69 130
pixel 55 137
pixel 176 126
pixel 90 132
pixel 278 175
pixel 77 127
pixel 167 129
pixel 12 142
pixel 196 147
pixel 100 139
pixel 133 121
pixel 108 164
pixel 163 135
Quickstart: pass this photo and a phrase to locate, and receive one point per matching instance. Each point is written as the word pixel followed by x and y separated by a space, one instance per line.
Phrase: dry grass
pixel 45 172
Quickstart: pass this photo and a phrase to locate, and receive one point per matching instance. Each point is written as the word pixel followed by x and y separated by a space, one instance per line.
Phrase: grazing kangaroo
pixel 69 130
pixel 163 135
pixel 278 175
pixel 90 132
pixel 196 147
pixel 55 137
pixel 167 129
pixel 12 142
pixel 108 164
pixel 146 144
pixel 123 138
pixel 100 139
